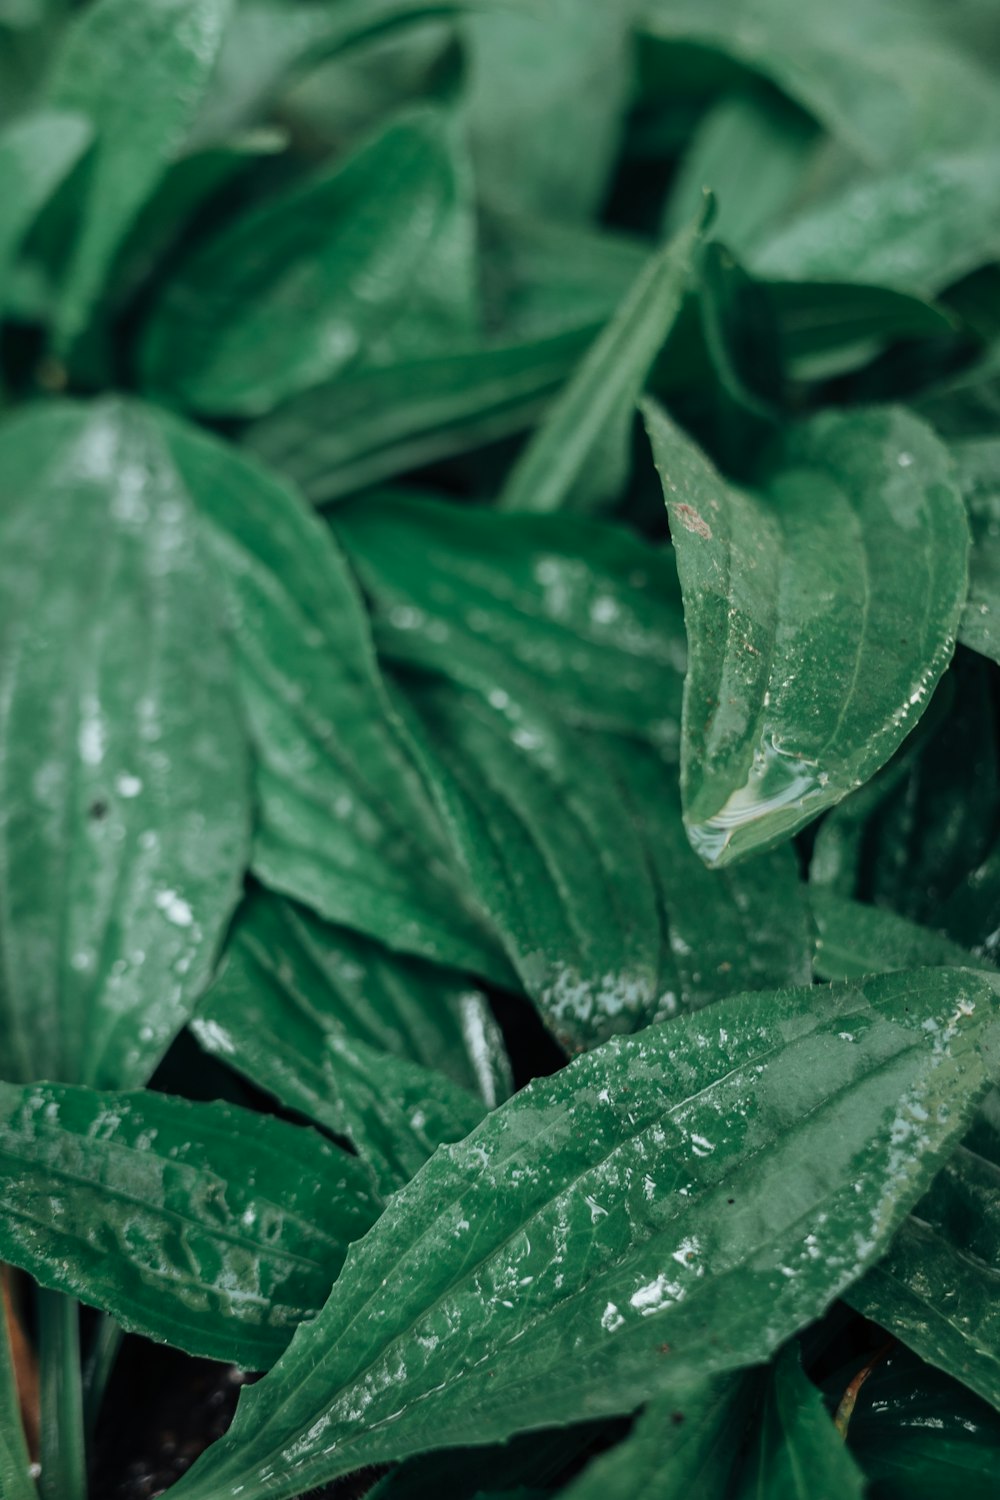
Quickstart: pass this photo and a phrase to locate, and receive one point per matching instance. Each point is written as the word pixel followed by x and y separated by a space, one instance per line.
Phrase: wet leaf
pixel 375 423
pixel 344 824
pixel 598 1222
pixel 142 1204
pixel 579 457
pixel 820 610
pixel 137 69
pixel 797 1453
pixel 395 1055
pixel 572 613
pixel 289 294
pixel 123 762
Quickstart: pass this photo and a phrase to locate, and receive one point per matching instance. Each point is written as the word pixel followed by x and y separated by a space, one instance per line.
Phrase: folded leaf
pixel 579 457
pixel 796 1452
pixel 375 423
pixel 290 294
pixel 343 821
pixel 671 1206
pixel 36 153
pixel 683 1445
pixel 137 69
pixel 142 1205
pixel 820 613
pixel 124 768
pixel 575 614
pixel 550 851
pixel 383 1050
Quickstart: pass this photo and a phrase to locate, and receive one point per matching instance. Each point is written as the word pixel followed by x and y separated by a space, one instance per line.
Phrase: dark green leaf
pixel 826 327
pixel 977 465
pixel 566 1259
pixel 579 457
pixel 797 1453
pixel 820 613
pixel 375 423
pixel 137 69
pixel 36 153
pixel 382 1050
pixel 343 822
pixel 854 939
pixel 290 294
pixel 143 1205
pixel 550 851
pixel 576 614
pixel 124 770
pixel 683 1445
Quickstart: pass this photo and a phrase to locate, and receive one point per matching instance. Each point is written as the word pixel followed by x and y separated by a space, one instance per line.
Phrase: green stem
pixel 15 1462
pixel 97 1371
pixel 64 1465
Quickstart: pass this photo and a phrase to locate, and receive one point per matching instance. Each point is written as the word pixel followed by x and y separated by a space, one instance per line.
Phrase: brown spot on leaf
pixel 692 521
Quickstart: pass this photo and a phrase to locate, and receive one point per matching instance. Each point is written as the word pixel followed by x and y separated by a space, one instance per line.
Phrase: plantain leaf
pixel 143 1205
pixel 124 774
pixel 731 1171
pixel 579 457
pixel 820 614
pixel 288 295
pixel 137 69
pixel 854 939
pixel 796 1452
pixel 572 613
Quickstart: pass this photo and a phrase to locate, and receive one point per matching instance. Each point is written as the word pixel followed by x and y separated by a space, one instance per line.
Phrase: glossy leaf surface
pixel 796 1452
pixel 137 69
pixel 735 1169
pixel 142 1205
pixel 343 822
pixel 820 613
pixel 579 457
pixel 124 776
pixel 574 613
pixel 288 295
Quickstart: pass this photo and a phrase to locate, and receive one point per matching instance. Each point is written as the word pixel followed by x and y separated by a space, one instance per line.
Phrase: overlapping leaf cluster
pixel 374 740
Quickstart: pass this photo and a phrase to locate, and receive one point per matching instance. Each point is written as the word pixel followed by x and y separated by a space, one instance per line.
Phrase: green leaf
pixel 579 457
pixel 382 1050
pixel 916 230
pixel 545 100
pixel 142 1205
pixel 733 1171
pixel 977 466
pixel 826 328
pixel 15 1461
pixel 797 1453
pixel 682 1445
pixel 568 613
pixel 288 295
pixel 854 939
pixel 137 69
pixel 374 423
pixel 820 612
pixel 551 853
pixel 36 153
pixel 343 821
pixel 124 775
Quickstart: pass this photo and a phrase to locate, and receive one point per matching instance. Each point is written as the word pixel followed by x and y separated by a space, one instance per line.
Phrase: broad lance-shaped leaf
pixel 977 466
pixel 796 1452
pixel 669 1207
pixel 124 770
pixel 682 1446
pixel 137 69
pixel 344 823
pixel 15 1461
pixel 211 1228
pixel 855 939
pixel 577 614
pixel 383 1050
pixel 820 610
pixel 551 853
pixel 579 457
pixel 373 423
pixel 291 293
pixel 36 153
